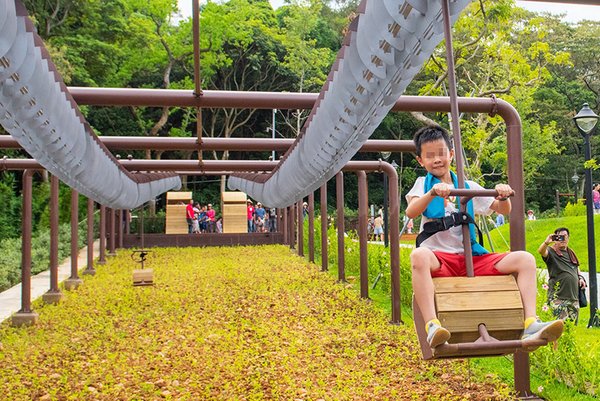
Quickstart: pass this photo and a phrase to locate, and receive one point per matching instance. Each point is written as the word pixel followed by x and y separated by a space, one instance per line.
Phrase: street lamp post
pixel 575 179
pixel 586 121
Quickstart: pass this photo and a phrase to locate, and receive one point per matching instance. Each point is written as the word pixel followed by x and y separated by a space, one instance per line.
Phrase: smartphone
pixel 557 237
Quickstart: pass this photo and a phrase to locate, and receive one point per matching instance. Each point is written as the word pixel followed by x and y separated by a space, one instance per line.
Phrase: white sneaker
pixel 436 334
pixel 549 331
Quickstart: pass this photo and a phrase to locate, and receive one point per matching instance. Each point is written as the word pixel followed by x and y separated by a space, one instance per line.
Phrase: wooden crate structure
pixel 142 277
pixel 175 220
pixel 462 303
pixel 234 211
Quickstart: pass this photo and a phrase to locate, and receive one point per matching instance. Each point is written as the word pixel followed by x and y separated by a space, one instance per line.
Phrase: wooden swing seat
pixel 483 314
pixel 143 277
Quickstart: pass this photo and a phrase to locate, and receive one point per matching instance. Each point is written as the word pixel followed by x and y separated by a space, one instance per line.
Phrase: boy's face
pixel 436 157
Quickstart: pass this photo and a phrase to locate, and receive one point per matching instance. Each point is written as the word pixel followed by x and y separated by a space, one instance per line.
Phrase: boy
pixel 442 254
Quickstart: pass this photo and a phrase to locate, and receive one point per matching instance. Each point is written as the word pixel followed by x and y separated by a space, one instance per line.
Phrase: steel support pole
pixel 26 316
pixel 292 227
pixel 127 221
pixel 300 227
pixel 53 295
pixel 386 241
pixel 394 206
pixel 120 228
pixel 311 227
pixel 284 225
pixel 324 218
pixel 339 200
pixel 74 281
pixel 102 226
pixel 112 233
pixel 363 208
pixel 89 269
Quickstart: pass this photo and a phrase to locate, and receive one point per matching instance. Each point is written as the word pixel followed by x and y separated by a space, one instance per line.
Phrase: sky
pixel 574 12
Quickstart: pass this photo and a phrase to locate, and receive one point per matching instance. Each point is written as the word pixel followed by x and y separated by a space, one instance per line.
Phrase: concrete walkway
pixel 10 300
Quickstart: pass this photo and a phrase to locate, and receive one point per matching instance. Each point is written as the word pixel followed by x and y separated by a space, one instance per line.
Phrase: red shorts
pixel 453 265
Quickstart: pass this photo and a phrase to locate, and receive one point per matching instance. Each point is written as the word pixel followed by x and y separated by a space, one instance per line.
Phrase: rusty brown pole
pixel 115 143
pixel 53 295
pixel 284 225
pixel 74 233
pixel 196 39
pixel 25 316
pixel 102 226
pixel 363 206
pixel 89 269
pixel 339 200
pixel 120 228
pixel 127 221
pixel 291 228
pixel 394 214
pixel 454 113
pixel 324 218
pixel 74 281
pixel 112 232
pixel 300 227
pixel 311 227
pixel 394 233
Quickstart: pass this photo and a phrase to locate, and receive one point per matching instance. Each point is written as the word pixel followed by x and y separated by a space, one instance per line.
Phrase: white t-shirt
pixel 449 241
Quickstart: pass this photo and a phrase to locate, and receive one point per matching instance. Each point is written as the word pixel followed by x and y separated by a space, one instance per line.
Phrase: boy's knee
pixel 420 259
pixel 525 260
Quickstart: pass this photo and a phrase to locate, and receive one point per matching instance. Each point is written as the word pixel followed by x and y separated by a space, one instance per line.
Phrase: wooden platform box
pixel 462 303
pixel 175 220
pixel 234 209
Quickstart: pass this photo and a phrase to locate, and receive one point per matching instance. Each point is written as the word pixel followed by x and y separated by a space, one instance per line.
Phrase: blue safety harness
pixel 440 222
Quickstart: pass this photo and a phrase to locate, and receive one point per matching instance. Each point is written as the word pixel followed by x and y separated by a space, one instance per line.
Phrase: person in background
pixel 378 228
pixel 196 223
pixel 499 220
pixel 210 216
pixel 250 215
pixel 202 219
pixel 596 198
pixel 260 212
pixel 530 215
pixel 219 225
pixel 259 224
pixel 409 226
pixel 272 219
pixel 564 275
pixel 304 210
pixel 189 216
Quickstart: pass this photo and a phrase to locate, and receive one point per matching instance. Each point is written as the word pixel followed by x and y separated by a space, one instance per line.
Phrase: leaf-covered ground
pixel 247 323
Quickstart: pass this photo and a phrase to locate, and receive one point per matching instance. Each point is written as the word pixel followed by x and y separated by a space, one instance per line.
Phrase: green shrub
pixel 577 209
pixel 10 253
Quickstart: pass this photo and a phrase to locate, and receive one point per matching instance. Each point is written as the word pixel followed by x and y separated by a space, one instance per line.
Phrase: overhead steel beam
pixel 231 144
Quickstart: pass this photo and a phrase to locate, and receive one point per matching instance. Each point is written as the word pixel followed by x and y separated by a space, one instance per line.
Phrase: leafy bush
pixel 10 253
pixel 577 209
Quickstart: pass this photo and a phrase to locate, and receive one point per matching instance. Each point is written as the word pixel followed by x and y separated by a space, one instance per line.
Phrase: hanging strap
pixel 444 223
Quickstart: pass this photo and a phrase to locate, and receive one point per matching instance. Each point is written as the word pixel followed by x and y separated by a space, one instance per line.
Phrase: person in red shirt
pixel 250 216
pixel 189 215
